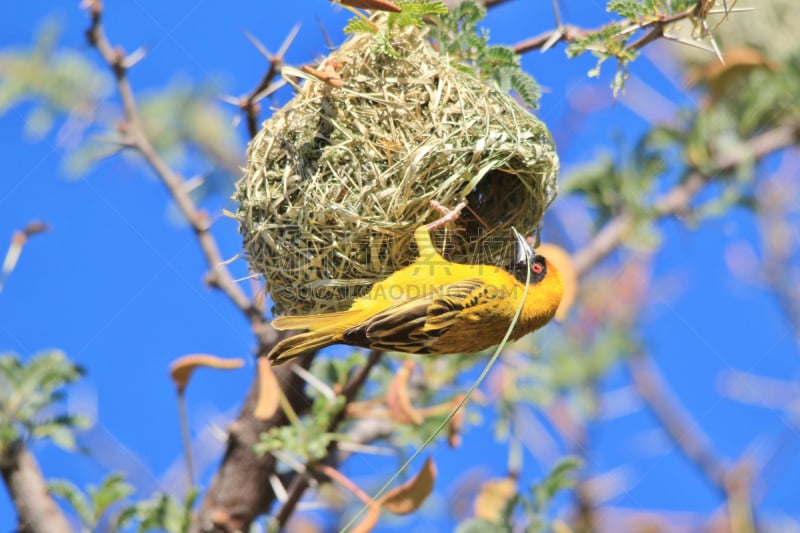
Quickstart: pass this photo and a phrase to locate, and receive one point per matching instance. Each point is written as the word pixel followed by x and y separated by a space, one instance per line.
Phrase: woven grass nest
pixel 337 180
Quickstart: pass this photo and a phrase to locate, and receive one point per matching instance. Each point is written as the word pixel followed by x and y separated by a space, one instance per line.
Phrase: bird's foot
pixel 448 215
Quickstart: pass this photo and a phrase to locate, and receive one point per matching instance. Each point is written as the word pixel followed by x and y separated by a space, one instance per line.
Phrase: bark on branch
pixel 37 512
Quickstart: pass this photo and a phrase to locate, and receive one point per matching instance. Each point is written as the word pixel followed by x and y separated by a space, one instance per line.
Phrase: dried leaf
pixel 18 240
pixel 739 63
pixel 377 5
pixel 493 497
pixel 12 255
pixel 182 368
pixel 269 391
pixel 397 397
pixel 409 496
pixel 331 78
pixel 563 262
pixel 369 521
pixel 34 227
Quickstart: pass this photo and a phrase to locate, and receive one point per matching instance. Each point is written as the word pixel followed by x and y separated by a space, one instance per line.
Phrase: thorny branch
pixel 240 490
pixel 136 138
pixel 568 33
pixel 249 104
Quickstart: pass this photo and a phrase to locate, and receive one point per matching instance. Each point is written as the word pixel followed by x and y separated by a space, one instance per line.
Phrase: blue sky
pixel 118 286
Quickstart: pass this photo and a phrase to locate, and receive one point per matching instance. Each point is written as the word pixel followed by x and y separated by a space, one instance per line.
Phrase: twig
pixel 646 380
pixel 569 33
pixel 566 33
pixel 186 437
pixel 249 103
pixel 683 431
pixel 448 215
pixel 451 4
pixel 37 512
pixel 733 482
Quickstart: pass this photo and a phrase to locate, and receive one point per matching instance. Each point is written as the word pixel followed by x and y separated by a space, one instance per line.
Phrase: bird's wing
pixel 412 325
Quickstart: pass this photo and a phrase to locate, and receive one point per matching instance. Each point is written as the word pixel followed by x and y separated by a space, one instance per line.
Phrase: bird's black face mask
pixel 520 266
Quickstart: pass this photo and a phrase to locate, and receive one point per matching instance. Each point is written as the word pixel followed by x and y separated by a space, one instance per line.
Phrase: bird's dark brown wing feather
pixel 413 325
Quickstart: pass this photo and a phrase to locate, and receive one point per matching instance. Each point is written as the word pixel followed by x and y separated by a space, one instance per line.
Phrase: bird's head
pixel 546 288
pixel 545 280
pixel 539 265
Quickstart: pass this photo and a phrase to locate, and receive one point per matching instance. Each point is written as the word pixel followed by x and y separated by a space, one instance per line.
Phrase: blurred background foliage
pixel 547 394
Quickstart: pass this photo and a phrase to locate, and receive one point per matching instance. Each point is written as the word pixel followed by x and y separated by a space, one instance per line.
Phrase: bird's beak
pixel 525 253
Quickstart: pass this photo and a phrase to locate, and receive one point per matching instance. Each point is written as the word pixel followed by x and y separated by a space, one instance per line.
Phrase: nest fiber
pixel 337 180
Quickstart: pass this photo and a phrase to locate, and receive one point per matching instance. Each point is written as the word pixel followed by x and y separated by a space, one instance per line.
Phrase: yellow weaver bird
pixel 434 306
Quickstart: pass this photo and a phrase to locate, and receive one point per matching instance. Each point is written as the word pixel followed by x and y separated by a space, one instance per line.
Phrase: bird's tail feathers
pixel 312 322
pixel 300 345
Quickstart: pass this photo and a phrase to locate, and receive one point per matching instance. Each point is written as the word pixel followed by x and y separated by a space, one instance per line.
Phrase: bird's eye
pixel 537 268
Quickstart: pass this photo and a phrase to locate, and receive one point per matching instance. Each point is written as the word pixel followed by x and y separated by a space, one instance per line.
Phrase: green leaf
pixel 359 25
pixel 414 13
pixel 630 9
pixel 40 121
pixel 123 519
pixel 75 498
pixel 465 16
pixel 421 8
pixel 162 512
pixel 114 489
pixel 310 439
pixel 501 56
pixel 561 477
pixel 32 387
pixel 458 35
pixel 61 435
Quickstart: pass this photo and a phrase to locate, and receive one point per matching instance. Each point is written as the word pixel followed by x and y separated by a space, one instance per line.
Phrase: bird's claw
pixel 448 215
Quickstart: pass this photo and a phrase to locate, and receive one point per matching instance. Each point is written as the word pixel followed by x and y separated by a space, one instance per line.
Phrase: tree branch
pixel 37 512
pixel 678 199
pixel 681 428
pixel 249 104
pixel 136 138
pixel 731 482
pixel 451 4
pixel 568 33
pixel 240 490
pixel 301 483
